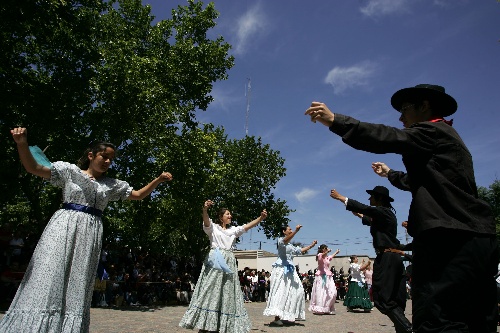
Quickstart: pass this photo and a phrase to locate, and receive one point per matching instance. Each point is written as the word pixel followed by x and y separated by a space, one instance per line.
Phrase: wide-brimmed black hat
pixel 442 103
pixel 380 190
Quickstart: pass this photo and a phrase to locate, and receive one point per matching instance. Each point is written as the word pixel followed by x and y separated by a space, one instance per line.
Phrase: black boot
pixel 401 323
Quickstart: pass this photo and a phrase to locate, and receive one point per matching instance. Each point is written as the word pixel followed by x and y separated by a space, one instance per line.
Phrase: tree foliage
pixel 492 196
pixel 77 71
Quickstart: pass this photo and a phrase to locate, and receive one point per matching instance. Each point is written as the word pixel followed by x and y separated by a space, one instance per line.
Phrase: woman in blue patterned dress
pixel 56 291
pixel 286 299
pixel 217 303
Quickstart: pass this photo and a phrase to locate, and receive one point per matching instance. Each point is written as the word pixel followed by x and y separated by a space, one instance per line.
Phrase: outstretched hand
pixel 297 228
pixel 19 134
pixel 380 169
pixel 320 112
pixel 337 196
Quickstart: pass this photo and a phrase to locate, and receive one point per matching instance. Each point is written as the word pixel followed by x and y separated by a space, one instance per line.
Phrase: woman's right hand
pixel 207 204
pixel 19 134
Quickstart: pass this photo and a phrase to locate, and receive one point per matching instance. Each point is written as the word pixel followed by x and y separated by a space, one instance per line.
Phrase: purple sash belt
pixel 82 208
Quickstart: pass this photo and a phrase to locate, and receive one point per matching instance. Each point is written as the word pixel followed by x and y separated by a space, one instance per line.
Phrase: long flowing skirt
pixel 324 294
pixel 56 291
pixel 357 297
pixel 286 295
pixel 217 302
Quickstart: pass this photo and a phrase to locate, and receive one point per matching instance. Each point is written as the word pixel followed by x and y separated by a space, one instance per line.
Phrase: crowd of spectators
pixel 132 276
pixel 125 276
pixel 341 282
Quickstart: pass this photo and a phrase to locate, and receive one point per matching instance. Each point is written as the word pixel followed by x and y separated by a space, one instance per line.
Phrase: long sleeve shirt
pixel 439 172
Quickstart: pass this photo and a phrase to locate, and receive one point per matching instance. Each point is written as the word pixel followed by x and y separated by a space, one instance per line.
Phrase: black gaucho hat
pixel 380 190
pixel 442 103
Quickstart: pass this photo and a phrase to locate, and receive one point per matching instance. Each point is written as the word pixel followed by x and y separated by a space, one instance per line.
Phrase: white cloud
pixel 343 78
pixel 376 8
pixel 305 195
pixel 248 26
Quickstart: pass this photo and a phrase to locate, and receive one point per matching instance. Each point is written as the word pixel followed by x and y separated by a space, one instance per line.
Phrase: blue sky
pixel 351 55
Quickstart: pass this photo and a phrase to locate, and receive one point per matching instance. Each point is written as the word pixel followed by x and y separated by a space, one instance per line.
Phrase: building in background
pixel 263 260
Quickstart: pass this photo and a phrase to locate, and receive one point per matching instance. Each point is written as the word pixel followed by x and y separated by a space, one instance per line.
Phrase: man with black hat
pixel 453 230
pixel 388 286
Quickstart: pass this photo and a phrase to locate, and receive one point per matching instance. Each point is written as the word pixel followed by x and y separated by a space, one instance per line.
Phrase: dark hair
pixel 94 147
pixel 221 213
pixel 351 258
pixel 320 250
pixel 384 200
pixel 283 229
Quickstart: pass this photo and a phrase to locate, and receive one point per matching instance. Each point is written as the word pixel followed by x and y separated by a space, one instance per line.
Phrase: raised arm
pixel 289 237
pixel 336 252
pixel 364 265
pixel 337 196
pixel 307 248
pixel 206 218
pixel 380 169
pixel 398 179
pixel 20 136
pixel 146 190
pixel 250 225
pixel 320 112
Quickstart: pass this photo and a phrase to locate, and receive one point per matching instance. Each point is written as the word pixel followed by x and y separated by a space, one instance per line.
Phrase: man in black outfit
pixel 389 281
pixel 453 230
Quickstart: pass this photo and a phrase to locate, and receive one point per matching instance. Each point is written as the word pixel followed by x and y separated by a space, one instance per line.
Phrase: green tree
pixel 236 174
pixel 492 196
pixel 46 63
pixel 77 71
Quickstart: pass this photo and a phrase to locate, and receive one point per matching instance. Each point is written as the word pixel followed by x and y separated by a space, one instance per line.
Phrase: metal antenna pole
pixel 248 93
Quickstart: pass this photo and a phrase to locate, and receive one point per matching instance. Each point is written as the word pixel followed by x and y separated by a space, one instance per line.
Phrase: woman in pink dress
pixel 324 292
pixel 368 272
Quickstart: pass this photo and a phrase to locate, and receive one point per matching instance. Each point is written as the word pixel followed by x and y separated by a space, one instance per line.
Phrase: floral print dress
pixel 56 291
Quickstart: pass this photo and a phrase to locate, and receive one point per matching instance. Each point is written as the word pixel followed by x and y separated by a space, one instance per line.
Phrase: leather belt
pixel 395 251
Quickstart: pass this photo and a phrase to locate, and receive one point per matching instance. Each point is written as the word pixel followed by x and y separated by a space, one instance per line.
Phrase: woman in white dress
pixel 357 294
pixel 56 291
pixel 217 303
pixel 286 299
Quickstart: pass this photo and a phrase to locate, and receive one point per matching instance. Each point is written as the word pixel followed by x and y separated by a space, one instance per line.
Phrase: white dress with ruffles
pixel 217 302
pixel 286 295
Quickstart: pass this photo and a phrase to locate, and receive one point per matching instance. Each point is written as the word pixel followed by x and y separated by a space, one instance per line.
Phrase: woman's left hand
pixel 166 176
pixel 263 215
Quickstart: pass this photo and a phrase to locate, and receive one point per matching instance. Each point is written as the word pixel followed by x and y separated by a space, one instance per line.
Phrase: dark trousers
pixel 446 264
pixel 389 289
